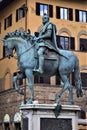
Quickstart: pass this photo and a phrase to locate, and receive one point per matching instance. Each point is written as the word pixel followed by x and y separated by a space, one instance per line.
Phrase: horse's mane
pixel 23 34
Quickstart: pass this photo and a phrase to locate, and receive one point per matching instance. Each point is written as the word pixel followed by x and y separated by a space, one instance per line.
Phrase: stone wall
pixel 10 100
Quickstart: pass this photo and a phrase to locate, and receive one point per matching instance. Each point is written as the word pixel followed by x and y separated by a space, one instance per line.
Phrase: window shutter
pixel 50 11
pixel 37 9
pixel 72 43
pixel 23 13
pixel 16 15
pixel 10 20
pixel 5 24
pixel 58 12
pixel 3 51
pixel 70 14
pixel 77 15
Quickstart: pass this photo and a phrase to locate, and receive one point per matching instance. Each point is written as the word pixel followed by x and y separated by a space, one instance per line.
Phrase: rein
pixel 23 52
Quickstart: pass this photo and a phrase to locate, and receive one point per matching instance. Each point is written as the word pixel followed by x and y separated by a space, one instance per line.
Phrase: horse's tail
pixel 78 82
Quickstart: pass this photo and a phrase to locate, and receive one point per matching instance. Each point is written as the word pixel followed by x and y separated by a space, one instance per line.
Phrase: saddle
pixel 49 55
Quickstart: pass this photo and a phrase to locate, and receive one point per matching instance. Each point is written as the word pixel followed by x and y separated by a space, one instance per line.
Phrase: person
pixel 45 39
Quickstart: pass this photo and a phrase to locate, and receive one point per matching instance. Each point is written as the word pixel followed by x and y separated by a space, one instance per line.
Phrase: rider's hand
pixel 36 38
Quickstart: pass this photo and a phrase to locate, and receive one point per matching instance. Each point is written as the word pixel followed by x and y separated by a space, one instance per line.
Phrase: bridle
pixel 18 56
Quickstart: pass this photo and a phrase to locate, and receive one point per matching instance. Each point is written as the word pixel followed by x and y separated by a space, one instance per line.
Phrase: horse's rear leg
pixel 65 87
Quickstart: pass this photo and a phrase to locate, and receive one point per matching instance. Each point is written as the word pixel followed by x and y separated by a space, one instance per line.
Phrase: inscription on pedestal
pixel 55 124
pixel 25 124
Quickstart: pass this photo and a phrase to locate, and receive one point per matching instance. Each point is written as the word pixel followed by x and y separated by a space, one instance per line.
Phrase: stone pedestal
pixel 42 117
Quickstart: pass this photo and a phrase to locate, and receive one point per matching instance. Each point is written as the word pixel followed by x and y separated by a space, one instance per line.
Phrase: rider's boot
pixel 41 62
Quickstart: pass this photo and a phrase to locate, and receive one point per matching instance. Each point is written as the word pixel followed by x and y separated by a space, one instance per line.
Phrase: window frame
pixel 80 18
pixel 83 45
pixel 20 13
pixel 64 13
pixel 69 13
pixel 71 42
pixel 8 22
pixel 41 80
pixel 49 9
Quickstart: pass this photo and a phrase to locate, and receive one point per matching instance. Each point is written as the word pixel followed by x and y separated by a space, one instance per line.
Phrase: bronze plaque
pixel 55 124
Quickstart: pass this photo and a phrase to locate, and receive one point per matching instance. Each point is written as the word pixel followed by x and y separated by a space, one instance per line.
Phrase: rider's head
pixel 45 18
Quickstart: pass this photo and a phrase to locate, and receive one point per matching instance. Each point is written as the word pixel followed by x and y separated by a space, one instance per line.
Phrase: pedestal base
pixel 42 117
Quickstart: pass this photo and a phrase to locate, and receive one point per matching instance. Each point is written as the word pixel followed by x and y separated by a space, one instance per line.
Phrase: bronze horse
pixel 54 64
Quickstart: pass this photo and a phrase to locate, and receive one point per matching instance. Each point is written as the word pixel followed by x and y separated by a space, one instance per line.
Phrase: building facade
pixel 70 18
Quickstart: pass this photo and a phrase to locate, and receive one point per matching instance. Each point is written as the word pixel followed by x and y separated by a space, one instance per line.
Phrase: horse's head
pixel 8 46
pixel 12 40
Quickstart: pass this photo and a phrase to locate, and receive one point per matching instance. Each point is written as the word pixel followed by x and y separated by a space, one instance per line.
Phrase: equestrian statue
pixel 39 54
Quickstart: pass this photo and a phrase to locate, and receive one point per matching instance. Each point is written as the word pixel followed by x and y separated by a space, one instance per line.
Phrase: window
pixel 8 22
pixel 20 13
pixel 64 13
pixel 38 79
pixel 83 78
pixel 44 8
pixel 83 44
pixel 65 42
pixel 81 16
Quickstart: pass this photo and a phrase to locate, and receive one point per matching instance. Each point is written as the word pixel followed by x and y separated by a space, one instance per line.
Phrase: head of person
pixel 45 18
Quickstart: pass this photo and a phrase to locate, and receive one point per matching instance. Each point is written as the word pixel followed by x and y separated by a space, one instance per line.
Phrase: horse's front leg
pixel 16 86
pixel 29 76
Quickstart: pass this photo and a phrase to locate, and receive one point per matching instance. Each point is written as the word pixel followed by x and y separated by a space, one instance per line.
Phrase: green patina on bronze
pixel 49 61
